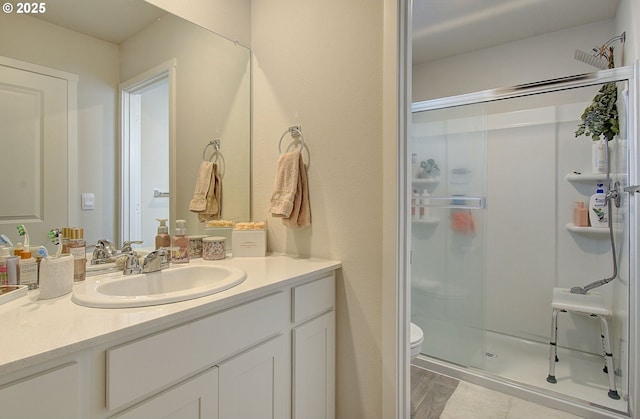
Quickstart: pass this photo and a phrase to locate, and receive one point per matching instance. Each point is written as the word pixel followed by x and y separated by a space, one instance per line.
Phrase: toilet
pixel 416 338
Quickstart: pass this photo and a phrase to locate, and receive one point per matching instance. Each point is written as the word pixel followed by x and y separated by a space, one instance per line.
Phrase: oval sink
pixel 167 286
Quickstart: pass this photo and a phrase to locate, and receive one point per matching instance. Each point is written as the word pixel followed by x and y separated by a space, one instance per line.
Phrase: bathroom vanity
pixel 262 349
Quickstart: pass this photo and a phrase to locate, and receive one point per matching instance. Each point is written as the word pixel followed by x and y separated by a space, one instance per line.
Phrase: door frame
pixel 128 89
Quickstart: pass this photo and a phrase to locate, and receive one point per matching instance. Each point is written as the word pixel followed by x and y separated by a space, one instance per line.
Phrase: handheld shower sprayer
pixel 602 56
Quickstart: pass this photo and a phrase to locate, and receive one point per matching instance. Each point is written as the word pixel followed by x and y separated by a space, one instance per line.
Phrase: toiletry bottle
pixel 598 216
pixel 424 203
pixel 12 269
pixel 180 243
pixel 163 239
pixel 17 250
pixel 580 215
pixel 4 276
pixel 28 268
pixel 77 247
pixel 414 205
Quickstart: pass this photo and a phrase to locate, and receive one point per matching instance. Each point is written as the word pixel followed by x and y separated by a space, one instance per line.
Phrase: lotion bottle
pixel 598 211
pixel 180 243
pixel 580 215
pixel 28 269
pixel 163 239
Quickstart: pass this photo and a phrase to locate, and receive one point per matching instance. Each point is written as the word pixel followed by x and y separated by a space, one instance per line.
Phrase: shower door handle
pixel 456 201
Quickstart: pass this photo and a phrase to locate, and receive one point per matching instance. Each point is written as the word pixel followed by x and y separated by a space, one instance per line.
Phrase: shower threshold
pixel 519 367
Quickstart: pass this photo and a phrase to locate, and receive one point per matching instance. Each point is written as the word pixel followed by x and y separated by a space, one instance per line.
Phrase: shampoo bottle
pixel 163 239
pixel 180 243
pixel 598 216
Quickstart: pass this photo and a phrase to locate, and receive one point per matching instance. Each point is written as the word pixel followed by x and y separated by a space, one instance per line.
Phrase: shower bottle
pixel 598 210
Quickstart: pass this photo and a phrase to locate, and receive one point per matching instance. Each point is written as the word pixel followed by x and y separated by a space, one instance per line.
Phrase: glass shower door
pixel 448 228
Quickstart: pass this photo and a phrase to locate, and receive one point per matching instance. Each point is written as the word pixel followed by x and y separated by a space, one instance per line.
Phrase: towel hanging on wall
pixel 290 196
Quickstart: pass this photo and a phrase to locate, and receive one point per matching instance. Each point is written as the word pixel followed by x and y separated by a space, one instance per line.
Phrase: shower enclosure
pixel 495 177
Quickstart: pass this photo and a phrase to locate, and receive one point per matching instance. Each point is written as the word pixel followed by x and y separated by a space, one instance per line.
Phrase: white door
pixel 34 129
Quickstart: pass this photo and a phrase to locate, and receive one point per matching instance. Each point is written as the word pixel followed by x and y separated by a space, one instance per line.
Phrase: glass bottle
pixel 77 247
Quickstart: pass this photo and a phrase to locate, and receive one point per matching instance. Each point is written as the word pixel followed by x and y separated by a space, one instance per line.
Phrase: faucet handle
pixel 126 246
pixel 131 265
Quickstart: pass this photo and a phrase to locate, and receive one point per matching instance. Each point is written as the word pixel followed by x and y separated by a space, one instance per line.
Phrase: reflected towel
pixel 290 197
pixel 207 197
pixel 213 210
pixel 462 221
pixel 199 201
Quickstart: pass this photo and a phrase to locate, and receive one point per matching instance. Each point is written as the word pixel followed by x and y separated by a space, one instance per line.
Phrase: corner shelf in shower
pixel 588 231
pixel 590 177
pixel 427 221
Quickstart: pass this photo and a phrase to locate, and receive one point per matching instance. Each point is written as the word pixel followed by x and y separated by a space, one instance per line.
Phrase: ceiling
pixel 442 28
pixel 109 20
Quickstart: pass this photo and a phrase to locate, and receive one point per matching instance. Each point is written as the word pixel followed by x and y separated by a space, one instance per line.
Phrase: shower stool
pixel 591 304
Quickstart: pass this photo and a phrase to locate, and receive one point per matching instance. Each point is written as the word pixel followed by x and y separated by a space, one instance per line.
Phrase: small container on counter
pixel 195 246
pixel 214 248
pixel 249 239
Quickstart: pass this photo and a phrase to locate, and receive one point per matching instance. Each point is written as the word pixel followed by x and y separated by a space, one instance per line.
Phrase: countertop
pixel 34 331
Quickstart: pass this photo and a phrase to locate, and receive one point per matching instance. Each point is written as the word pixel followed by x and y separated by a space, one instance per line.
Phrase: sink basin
pixel 167 286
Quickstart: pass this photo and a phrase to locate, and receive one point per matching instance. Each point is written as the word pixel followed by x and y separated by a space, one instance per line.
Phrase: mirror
pixel 104 44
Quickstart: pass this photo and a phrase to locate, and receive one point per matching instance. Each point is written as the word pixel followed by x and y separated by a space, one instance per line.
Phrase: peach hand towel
pixel 285 185
pixel 290 197
pixel 199 201
pixel 213 208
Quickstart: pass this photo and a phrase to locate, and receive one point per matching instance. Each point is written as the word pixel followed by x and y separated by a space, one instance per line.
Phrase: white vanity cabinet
pixel 265 354
pixel 313 350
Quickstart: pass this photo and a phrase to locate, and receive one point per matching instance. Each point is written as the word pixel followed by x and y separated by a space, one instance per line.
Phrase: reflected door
pixel 34 129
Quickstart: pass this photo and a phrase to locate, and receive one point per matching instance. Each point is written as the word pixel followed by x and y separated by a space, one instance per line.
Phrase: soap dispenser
pixel 180 243
pixel 163 239
pixel 598 211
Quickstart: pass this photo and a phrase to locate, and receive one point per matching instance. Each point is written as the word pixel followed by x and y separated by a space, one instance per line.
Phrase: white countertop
pixel 34 331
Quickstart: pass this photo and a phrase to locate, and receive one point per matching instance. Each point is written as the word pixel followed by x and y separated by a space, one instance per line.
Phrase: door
pixel 35 143
pixel 254 383
pixel 448 217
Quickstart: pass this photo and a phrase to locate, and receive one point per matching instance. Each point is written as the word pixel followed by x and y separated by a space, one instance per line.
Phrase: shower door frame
pixel 629 74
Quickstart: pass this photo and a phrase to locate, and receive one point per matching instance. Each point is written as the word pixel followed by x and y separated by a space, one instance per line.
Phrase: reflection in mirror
pixel 207 98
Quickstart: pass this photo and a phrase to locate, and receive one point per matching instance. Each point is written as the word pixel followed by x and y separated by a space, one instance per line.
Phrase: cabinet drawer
pixel 313 298
pixel 139 368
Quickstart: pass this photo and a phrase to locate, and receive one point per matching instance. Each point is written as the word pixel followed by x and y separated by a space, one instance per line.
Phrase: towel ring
pixel 218 156
pixel 216 150
pixel 296 134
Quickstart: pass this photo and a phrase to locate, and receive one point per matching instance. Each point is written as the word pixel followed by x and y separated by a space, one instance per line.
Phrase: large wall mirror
pixel 191 86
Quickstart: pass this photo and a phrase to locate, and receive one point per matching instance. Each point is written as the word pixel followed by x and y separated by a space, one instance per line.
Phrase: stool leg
pixel 608 356
pixel 553 348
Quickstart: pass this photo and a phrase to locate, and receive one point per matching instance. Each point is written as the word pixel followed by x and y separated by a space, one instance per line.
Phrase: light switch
pixel 88 201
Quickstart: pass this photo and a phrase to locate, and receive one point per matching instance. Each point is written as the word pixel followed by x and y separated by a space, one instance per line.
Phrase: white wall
pixel 538 58
pixel 231 19
pixel 319 64
pixel 96 63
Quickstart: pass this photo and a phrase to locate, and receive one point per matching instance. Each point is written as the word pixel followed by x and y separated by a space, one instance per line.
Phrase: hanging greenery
pixel 600 118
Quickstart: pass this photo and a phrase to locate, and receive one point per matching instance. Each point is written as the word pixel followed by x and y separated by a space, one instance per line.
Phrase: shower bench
pixel 593 305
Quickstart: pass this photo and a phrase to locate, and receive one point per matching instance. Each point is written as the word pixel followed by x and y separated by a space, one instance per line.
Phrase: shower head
pixel 601 57
pixel 597 61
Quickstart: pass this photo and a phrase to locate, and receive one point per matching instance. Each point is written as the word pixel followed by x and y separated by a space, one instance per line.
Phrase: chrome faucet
pixel 105 252
pixel 156 261
pixel 131 265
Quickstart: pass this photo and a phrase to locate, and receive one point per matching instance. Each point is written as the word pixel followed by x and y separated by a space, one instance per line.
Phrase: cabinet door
pixel 52 394
pixel 254 384
pixel 196 398
pixel 314 368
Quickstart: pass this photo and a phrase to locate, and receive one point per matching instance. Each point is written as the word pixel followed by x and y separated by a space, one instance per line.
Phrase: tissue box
pixel 247 243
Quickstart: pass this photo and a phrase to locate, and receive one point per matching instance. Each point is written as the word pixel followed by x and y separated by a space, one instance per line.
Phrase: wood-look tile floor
pixel 429 393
